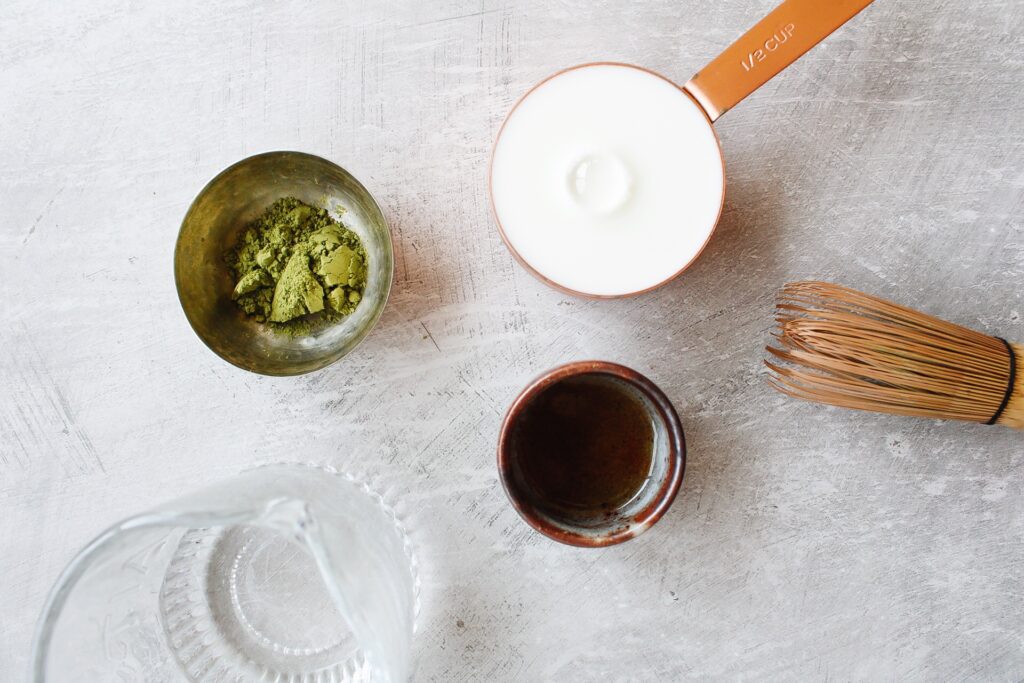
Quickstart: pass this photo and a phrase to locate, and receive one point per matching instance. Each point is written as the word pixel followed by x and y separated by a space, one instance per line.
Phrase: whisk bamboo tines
pixel 849 349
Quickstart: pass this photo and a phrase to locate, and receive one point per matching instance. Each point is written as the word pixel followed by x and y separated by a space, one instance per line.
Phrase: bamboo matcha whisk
pixel 848 349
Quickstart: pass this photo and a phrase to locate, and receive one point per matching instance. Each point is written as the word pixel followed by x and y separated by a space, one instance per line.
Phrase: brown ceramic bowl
pixel 638 515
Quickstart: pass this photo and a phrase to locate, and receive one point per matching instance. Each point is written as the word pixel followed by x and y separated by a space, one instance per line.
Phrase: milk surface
pixel 607 179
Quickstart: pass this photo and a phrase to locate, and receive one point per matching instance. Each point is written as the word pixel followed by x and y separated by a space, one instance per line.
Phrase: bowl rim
pixel 371 322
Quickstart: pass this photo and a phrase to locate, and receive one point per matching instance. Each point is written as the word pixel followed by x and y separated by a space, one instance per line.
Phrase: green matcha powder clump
pixel 295 261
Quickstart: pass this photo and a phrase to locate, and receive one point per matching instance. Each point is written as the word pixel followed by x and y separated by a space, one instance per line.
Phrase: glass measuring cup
pixel 283 573
pixel 607 179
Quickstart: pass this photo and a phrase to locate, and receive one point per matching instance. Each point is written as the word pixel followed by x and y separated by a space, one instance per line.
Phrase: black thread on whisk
pixel 1009 383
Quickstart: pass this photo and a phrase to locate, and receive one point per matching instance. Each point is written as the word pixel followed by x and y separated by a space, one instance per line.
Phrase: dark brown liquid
pixel 584 446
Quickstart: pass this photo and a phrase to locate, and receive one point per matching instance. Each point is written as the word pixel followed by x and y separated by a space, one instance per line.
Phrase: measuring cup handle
pixel 778 40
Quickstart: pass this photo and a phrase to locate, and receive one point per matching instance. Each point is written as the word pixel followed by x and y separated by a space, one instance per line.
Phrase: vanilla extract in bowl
pixel 585 445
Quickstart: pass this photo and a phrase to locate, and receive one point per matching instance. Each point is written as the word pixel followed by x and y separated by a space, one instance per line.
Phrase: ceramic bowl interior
pixel 213 225
pixel 600 528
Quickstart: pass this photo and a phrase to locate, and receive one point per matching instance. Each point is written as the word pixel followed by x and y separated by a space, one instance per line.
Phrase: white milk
pixel 607 179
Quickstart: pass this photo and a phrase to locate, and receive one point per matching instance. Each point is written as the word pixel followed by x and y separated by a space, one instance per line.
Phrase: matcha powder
pixel 295 261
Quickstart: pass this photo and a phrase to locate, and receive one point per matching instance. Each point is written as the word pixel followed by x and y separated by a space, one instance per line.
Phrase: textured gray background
pixel 807 543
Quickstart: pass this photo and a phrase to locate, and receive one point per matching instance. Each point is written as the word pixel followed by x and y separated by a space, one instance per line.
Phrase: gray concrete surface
pixel 807 543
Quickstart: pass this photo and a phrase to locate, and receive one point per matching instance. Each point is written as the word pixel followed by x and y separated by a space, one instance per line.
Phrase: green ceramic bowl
pixel 213 224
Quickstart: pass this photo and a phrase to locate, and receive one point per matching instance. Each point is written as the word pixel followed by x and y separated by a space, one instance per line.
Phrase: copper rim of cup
pixel 537 274
pixel 668 487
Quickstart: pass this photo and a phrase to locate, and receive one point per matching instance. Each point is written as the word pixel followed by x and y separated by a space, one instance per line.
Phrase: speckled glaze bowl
pixel 212 226
pixel 638 515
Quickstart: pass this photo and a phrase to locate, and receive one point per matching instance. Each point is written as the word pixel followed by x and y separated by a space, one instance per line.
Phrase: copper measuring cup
pixel 783 36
